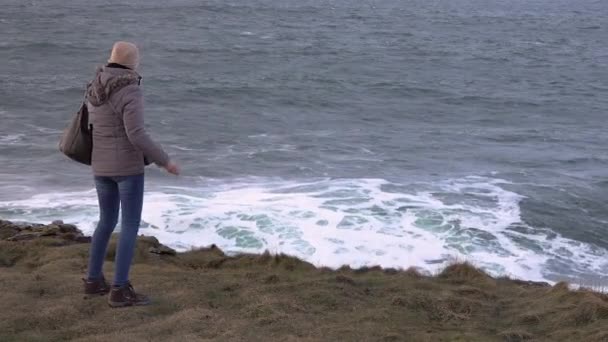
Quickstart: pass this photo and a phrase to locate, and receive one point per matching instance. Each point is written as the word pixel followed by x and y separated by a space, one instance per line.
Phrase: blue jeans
pixel 127 194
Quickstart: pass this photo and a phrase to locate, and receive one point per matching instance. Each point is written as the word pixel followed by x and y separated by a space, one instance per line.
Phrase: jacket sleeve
pixel 133 118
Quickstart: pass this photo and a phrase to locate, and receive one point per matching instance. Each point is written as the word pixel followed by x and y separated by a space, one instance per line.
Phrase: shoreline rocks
pixel 11 231
pixel 65 234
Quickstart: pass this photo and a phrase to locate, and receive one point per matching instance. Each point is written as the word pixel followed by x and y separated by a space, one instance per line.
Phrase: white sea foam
pixel 359 222
pixel 182 148
pixel 45 130
pixel 11 139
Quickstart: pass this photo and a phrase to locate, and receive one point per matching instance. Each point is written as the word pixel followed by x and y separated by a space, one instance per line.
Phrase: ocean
pixel 393 133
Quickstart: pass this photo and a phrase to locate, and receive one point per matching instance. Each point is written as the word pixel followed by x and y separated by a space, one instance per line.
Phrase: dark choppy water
pixel 390 132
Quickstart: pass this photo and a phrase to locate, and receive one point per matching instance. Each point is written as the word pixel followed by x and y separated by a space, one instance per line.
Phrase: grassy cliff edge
pixel 204 295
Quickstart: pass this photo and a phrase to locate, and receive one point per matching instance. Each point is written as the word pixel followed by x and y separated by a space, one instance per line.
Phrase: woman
pixel 120 142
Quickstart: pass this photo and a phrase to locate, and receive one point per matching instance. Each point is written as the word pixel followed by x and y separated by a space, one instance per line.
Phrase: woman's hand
pixel 172 168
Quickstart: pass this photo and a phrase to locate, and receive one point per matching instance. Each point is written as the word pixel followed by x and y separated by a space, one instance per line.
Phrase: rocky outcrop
pixel 161 249
pixel 11 231
pixel 67 234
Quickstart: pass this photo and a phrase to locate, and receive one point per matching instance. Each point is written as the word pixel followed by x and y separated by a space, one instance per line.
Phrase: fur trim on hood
pixel 108 81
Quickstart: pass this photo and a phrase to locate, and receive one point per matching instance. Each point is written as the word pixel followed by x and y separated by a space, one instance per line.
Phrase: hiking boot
pixel 94 288
pixel 125 295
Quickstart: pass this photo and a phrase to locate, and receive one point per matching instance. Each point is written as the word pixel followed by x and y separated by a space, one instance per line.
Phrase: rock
pixel 162 250
pixel 68 228
pixel 47 233
pixel 530 283
pixel 23 237
pixel 149 240
pixel 215 250
pixel 51 230
pixel 391 271
pixel 70 236
pixel 7 230
pixel 22 231
pixel 82 239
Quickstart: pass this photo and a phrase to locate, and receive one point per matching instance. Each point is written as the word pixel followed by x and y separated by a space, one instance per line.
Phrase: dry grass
pixel 204 295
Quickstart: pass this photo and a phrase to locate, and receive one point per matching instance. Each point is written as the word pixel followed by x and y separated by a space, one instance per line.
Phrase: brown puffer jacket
pixel 120 141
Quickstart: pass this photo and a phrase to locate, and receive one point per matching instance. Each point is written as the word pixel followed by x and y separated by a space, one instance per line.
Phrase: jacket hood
pixel 109 80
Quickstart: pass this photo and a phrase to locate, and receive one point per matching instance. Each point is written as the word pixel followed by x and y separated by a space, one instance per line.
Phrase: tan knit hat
pixel 125 53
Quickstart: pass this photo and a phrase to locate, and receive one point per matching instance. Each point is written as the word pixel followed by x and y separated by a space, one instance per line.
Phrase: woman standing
pixel 120 149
